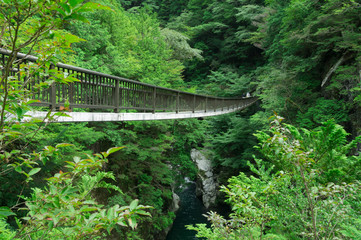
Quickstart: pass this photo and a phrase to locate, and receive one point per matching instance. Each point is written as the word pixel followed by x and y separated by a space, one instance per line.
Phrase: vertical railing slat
pixel 154 98
pixel 53 92
pixel 206 104
pixel 71 90
pixel 116 96
pixel 177 103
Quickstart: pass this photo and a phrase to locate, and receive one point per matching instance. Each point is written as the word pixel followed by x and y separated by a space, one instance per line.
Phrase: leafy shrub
pixel 307 187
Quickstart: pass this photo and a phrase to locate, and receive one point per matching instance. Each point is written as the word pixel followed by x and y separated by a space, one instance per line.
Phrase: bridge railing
pixel 96 90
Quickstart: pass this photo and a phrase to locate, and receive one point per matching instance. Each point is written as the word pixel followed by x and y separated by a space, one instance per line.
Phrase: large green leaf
pixel 5 212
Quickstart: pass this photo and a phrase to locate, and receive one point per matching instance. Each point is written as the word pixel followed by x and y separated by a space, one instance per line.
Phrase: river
pixel 190 212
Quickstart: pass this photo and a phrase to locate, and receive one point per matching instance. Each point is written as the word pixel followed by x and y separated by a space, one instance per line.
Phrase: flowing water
pixel 190 212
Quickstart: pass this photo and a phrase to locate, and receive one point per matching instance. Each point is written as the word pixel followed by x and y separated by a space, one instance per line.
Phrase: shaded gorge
pixel 190 212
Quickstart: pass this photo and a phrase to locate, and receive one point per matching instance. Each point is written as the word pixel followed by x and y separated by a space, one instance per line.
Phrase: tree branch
pixel 346 56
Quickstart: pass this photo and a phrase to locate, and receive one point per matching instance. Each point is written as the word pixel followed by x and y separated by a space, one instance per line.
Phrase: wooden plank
pixel 93 101
pixel 177 103
pixel 71 91
pixel 85 90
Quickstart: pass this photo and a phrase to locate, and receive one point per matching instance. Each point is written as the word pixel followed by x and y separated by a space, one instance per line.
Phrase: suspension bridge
pixel 102 97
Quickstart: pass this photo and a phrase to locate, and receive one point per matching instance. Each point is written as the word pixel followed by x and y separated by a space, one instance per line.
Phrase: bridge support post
pixel 116 96
pixel 194 103
pixel 71 95
pixel 222 104
pixel 205 106
pixel 154 98
pixel 53 96
pixel 177 103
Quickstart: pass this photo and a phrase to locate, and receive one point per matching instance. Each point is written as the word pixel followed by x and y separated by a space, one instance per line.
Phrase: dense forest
pixel 288 166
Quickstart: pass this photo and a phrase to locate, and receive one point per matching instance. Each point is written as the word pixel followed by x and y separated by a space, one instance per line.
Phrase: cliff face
pixel 206 181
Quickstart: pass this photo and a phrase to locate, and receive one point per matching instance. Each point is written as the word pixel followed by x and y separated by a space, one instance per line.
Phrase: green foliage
pixel 82 139
pixel 284 49
pixel 303 41
pixel 16 97
pixel 5 232
pixel 227 83
pixel 136 48
pixel 188 134
pixel 352 232
pixel 329 151
pixel 80 135
pixel 139 49
pixel 65 208
pixel 234 142
pixel 307 187
pixel 178 42
pixel 215 27
pixel 230 140
pixel 156 155
pixel 322 111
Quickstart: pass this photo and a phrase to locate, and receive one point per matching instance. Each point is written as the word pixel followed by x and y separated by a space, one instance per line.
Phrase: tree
pixel 136 49
pixel 310 53
pixel 65 208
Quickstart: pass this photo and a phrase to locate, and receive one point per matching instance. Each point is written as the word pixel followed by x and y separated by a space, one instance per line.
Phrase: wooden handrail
pixel 103 91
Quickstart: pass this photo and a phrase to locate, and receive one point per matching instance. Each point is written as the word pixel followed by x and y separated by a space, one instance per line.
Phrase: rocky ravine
pixel 206 181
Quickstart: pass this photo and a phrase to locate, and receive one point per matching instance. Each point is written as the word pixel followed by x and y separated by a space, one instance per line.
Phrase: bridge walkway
pixel 110 98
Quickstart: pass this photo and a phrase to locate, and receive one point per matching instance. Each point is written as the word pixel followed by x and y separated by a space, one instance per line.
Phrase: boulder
pixel 206 181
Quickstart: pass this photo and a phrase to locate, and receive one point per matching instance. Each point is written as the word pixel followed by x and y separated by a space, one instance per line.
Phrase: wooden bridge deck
pixel 111 117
